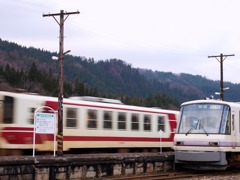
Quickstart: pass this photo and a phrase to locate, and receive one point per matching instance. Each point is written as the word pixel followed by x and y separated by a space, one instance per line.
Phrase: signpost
pixel 44 123
pixel 160 134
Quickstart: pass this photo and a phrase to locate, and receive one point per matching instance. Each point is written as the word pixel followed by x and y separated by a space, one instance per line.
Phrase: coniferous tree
pixel 33 74
pixel 79 88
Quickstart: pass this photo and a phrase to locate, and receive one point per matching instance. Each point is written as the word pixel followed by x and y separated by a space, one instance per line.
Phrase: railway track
pixel 164 176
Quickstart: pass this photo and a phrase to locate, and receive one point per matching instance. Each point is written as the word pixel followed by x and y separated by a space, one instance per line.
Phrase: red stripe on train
pixel 112 138
pixel 15 135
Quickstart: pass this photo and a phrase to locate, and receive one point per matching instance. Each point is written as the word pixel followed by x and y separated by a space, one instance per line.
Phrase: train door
pixel 1 120
pixel 1 113
pixel 8 110
pixel 6 113
pixel 234 130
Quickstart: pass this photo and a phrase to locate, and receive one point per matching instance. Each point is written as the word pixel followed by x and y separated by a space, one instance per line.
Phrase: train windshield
pixel 205 118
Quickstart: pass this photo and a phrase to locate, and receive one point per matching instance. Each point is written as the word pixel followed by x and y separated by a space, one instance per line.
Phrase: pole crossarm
pixel 62 13
pixel 224 56
pixel 60 76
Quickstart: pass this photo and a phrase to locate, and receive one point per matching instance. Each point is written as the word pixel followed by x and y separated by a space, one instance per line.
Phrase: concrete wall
pixel 84 166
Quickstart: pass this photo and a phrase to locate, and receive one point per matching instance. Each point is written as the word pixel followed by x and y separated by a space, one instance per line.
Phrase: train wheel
pixel 11 152
pixel 155 150
pixel 123 150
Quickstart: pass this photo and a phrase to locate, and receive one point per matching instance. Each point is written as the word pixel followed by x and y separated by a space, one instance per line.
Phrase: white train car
pixel 208 135
pixel 105 125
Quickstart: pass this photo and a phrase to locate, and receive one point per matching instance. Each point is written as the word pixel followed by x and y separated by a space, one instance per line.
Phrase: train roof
pixel 214 101
pixel 27 95
pixel 96 99
pixel 113 104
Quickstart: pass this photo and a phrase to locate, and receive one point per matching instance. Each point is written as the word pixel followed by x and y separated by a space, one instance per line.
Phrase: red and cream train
pixel 106 125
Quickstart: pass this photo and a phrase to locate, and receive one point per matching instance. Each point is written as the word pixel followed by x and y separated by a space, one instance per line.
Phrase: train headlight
pixel 179 143
pixel 213 144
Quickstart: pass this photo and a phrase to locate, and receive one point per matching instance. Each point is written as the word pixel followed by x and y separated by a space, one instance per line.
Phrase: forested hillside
pixel 33 70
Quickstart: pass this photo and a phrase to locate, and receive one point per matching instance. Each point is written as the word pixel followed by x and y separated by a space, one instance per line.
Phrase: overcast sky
pixel 166 35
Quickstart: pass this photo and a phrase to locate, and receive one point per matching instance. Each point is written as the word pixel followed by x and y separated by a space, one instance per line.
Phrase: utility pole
pixel 222 58
pixel 62 15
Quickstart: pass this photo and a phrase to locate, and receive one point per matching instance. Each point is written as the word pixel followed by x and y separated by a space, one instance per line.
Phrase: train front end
pixel 206 136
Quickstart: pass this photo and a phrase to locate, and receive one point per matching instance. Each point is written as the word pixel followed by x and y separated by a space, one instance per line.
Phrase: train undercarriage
pixel 207 160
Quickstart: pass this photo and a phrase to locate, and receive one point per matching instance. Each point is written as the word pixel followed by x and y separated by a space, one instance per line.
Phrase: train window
pixel 204 118
pixel 107 120
pixel 147 123
pixel 92 118
pixel 8 110
pixel 228 125
pixel 225 127
pixel 122 121
pixel 135 122
pixel 161 123
pixel 71 120
pixel 31 118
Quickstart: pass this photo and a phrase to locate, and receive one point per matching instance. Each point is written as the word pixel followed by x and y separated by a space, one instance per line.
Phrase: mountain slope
pixel 114 76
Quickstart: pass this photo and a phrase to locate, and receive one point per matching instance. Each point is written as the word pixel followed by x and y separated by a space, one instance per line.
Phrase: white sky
pixel 165 35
